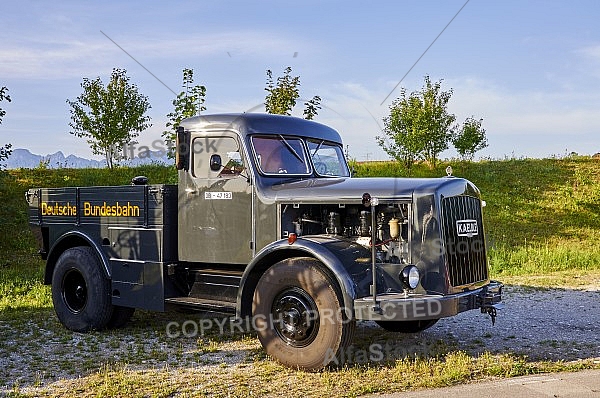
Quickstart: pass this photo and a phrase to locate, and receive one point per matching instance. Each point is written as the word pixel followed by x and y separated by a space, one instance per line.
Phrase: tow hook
pixel 492 310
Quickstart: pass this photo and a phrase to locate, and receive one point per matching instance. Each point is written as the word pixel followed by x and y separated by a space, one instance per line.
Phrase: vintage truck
pixel 267 224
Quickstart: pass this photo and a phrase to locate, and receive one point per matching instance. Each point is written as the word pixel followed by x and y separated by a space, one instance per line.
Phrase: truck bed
pixel 134 226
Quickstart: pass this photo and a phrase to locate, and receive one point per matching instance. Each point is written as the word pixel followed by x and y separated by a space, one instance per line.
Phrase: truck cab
pixel 267 224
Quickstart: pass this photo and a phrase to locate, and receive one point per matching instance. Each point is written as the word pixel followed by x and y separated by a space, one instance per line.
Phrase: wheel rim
pixel 74 290
pixel 295 317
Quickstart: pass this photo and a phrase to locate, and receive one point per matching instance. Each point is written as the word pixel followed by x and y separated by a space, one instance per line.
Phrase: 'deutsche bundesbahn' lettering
pixel 91 210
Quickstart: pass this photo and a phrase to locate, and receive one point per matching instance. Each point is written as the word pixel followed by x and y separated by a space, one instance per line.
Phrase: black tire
pixel 120 317
pixel 299 317
pixel 407 326
pixel 80 291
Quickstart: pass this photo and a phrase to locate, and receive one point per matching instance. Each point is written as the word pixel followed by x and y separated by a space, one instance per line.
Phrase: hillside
pixel 541 215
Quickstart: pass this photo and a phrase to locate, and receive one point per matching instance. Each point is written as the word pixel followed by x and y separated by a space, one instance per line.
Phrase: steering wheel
pixel 321 168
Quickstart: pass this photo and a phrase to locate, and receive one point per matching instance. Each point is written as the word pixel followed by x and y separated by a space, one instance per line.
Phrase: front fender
pixel 303 247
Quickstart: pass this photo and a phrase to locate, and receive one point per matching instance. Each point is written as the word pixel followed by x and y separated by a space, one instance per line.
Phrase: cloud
pixel 50 59
pixel 54 58
pixel 592 52
pixel 353 109
pixel 588 63
pixel 523 122
pixel 510 111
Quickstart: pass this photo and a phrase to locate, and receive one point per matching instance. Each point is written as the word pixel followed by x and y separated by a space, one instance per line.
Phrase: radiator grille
pixel 462 226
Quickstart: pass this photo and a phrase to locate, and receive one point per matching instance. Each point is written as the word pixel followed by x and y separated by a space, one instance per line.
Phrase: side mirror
pixel 216 163
pixel 182 150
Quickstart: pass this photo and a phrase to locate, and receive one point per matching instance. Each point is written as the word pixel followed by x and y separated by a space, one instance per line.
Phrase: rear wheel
pixel 298 314
pixel 407 326
pixel 80 291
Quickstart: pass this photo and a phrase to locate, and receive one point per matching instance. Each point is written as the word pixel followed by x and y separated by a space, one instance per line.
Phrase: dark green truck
pixel 267 224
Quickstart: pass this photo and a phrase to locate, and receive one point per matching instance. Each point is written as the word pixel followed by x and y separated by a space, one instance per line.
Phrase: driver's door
pixel 215 221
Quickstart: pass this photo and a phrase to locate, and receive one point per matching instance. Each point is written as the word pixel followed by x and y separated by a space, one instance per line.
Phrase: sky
pixel 529 69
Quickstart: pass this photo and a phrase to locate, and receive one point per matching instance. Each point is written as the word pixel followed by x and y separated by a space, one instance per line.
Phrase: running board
pixel 202 304
pixel 215 285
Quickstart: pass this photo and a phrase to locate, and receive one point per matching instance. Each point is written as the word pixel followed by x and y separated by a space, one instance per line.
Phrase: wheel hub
pixel 74 291
pixel 295 317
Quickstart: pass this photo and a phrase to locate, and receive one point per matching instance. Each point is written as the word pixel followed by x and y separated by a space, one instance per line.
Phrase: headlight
pixel 410 277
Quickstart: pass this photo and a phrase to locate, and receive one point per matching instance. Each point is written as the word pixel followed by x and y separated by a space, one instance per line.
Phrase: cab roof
pixel 262 123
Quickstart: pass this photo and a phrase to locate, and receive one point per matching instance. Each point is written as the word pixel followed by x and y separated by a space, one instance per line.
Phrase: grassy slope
pixel 542 216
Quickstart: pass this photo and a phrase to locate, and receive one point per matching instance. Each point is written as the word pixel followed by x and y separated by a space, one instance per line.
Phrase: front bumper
pixel 401 307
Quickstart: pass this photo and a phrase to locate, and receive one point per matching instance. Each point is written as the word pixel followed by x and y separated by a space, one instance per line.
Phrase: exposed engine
pixel 354 222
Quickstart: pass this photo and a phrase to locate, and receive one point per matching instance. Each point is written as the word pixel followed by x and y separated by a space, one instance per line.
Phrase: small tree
pixel 189 102
pixel 437 120
pixel 312 107
pixel 109 117
pixel 282 95
pixel 419 125
pixel 5 150
pixel 403 139
pixel 470 138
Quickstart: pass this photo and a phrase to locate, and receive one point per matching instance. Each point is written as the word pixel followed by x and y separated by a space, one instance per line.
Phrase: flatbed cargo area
pixel 133 227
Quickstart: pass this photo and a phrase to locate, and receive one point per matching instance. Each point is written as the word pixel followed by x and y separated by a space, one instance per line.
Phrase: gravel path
pixel 539 323
pixel 542 324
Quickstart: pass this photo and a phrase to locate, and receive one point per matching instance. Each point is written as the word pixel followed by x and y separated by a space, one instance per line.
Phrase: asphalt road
pixel 565 385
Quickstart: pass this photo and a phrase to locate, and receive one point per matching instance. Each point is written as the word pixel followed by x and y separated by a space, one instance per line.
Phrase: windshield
pixel 277 154
pixel 327 158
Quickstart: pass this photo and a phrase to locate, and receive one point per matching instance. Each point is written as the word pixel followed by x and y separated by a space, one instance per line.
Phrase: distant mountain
pixel 23 158
pixel 147 158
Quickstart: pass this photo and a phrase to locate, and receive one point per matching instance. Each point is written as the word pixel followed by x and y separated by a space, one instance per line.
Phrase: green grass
pixel 267 379
pixel 543 228
pixel 542 215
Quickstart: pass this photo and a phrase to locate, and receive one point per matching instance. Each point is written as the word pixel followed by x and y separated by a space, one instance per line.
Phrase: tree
pixel 5 150
pixel 470 138
pixel 109 117
pixel 282 95
pixel 419 126
pixel 189 102
pixel 403 138
pixel 312 107
pixel 438 121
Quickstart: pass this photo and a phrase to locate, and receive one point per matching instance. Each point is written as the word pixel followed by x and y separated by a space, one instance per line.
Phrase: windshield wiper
pixel 291 149
pixel 317 149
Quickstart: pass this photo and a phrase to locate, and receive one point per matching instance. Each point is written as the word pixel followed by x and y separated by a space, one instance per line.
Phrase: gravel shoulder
pixel 552 324
pixel 541 324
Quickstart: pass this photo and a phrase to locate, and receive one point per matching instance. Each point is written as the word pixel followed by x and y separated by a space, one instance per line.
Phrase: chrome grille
pixel 464 241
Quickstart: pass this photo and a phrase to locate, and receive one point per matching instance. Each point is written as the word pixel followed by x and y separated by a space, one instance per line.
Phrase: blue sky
pixel 530 69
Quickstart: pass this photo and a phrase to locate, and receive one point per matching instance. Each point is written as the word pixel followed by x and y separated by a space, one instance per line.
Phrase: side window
pixel 216 157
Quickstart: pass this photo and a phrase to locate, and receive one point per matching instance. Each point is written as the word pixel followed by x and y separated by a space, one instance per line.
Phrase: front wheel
pixel 299 315
pixel 80 291
pixel 407 326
